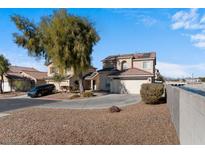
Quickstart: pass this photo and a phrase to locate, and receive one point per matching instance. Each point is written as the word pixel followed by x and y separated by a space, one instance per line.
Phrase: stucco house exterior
pixel 28 75
pixel 126 73
pixel 71 80
pixel 120 74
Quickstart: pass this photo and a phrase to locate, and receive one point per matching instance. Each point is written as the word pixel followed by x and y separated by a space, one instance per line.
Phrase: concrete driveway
pixel 88 103
pixel 96 102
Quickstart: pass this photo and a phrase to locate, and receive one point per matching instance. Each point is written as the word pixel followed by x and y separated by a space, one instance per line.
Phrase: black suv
pixel 41 90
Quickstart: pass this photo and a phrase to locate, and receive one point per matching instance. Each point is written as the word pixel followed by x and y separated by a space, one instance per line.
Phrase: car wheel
pixel 39 94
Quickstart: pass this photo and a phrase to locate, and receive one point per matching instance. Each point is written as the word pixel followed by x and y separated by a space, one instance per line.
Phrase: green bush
pixel 88 94
pixel 151 92
pixel 74 96
pixel 22 85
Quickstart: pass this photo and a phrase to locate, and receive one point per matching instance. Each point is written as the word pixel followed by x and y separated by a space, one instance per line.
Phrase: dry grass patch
pixel 136 124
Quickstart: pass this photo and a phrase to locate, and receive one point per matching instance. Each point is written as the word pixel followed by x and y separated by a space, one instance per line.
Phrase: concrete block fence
pixel 187 111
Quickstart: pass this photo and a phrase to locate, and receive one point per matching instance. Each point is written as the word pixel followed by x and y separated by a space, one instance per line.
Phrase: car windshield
pixel 34 89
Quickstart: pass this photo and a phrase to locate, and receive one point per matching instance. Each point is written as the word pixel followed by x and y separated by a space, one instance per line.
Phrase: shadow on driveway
pixel 13 104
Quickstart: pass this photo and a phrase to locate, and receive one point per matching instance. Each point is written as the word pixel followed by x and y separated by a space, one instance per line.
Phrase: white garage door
pixel 127 86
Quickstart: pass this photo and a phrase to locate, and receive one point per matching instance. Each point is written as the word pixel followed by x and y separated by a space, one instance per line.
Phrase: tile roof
pixel 36 74
pixel 19 69
pixel 16 76
pixel 90 76
pixel 134 55
pixel 106 69
pixel 16 72
pixel 131 72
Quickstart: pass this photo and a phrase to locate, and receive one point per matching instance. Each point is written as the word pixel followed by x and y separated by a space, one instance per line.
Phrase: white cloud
pixel 171 70
pixel 187 20
pixel 198 40
pixel 198 37
pixel 179 71
pixel 147 20
pixel 141 16
pixel 200 44
pixel 202 19
pixel 191 20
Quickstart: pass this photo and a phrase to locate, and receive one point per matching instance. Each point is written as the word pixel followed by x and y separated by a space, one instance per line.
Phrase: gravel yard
pixel 135 124
pixel 11 94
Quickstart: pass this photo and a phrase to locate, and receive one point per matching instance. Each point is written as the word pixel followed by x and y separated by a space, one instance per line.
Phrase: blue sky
pixel 177 35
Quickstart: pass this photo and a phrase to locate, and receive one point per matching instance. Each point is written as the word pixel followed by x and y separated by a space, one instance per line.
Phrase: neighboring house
pixel 70 80
pixel 126 73
pixel 192 80
pixel 29 76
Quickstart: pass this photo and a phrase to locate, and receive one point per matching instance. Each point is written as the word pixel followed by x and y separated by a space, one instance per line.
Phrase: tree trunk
pixel 1 88
pixel 81 88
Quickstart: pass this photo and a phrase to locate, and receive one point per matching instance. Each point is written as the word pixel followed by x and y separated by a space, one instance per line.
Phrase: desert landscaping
pixel 135 124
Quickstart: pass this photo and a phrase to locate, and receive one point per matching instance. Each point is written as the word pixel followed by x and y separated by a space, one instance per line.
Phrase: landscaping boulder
pixel 114 109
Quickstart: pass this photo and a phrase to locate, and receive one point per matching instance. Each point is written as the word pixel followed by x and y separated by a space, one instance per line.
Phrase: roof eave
pixel 151 75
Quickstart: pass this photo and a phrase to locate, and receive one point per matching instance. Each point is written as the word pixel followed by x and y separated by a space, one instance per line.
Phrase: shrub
pixel 22 85
pixel 114 109
pixel 74 96
pixel 88 94
pixel 151 92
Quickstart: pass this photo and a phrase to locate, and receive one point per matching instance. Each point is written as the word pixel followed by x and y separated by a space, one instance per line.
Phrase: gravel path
pixel 135 124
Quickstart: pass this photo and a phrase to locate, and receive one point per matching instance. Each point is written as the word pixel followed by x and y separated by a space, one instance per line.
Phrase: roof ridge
pixel 131 54
pixel 34 71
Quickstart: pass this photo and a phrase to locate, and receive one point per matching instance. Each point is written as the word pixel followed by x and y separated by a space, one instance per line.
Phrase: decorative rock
pixel 114 109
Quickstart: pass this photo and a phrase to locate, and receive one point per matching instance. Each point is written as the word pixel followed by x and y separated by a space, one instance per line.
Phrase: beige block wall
pixel 50 66
pixel 49 70
pixel 139 64
pixel 103 82
pixel 119 63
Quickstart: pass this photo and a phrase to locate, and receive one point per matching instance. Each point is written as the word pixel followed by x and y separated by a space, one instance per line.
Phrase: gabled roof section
pixel 131 72
pixel 16 72
pixel 90 76
pixel 18 69
pixel 16 76
pixel 36 74
pixel 106 69
pixel 134 55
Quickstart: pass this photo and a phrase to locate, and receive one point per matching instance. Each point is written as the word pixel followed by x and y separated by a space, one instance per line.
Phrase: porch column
pixel 91 82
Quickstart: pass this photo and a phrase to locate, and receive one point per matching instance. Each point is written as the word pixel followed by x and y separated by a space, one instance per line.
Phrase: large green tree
pixel 4 67
pixel 62 38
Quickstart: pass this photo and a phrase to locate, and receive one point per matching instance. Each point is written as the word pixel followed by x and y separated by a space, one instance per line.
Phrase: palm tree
pixel 4 67
pixel 64 39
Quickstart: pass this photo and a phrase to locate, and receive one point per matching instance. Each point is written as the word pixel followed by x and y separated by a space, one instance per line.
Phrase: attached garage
pixel 127 86
pixel 129 81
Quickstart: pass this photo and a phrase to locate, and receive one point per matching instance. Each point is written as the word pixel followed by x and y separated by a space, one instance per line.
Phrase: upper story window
pixel 124 65
pixel 146 65
pixel 109 64
pixel 53 70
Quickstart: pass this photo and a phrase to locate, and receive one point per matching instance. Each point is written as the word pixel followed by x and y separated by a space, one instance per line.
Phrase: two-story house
pixel 126 73
pixel 120 74
pixel 70 79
